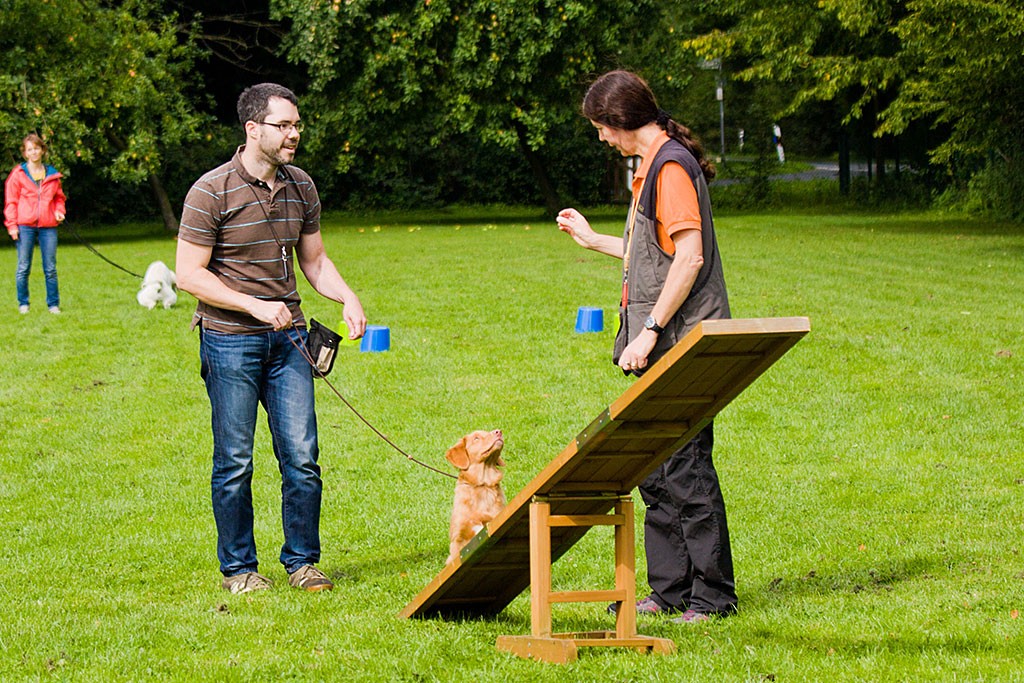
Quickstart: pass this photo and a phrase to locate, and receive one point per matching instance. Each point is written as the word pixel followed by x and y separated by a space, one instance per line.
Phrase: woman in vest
pixel 672 279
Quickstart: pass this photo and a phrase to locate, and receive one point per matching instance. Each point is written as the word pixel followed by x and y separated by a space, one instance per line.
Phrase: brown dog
pixel 478 494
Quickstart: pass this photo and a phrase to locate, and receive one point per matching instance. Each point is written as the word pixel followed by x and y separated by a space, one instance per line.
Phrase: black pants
pixel 689 561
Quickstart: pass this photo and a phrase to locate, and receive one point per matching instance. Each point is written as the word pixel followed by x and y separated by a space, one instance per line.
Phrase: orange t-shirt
pixel 678 208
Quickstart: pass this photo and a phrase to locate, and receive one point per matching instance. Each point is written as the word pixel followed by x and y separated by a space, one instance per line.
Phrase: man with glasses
pixel 243 226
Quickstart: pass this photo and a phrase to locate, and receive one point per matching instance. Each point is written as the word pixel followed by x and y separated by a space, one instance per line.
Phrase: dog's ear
pixel 458 455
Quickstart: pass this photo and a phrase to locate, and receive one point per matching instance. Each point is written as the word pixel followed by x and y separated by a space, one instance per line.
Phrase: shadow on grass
pixel 464 216
pixel 862 580
pixel 120 232
pixel 911 644
pixel 368 570
pixel 841 214
pixel 954 226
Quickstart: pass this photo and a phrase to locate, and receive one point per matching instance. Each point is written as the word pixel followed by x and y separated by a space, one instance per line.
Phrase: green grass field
pixel 873 476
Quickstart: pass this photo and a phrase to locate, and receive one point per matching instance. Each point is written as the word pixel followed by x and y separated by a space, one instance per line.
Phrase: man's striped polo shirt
pixel 248 226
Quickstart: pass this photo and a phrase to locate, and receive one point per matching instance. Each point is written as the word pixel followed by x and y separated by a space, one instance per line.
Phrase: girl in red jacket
pixel 33 208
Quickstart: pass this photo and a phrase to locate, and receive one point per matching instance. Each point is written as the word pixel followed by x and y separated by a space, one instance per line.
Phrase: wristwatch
pixel 652 325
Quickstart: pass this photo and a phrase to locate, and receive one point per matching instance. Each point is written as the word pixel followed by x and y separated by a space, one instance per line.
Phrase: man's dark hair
pixel 254 101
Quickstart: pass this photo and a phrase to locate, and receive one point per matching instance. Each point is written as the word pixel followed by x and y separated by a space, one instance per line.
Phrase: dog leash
pixel 309 359
pixel 93 250
pixel 304 352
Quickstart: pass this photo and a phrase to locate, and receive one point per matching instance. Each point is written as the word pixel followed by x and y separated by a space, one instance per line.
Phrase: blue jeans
pixel 47 239
pixel 242 371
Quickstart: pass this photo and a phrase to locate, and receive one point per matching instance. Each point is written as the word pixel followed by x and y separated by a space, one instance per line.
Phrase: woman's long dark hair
pixel 623 100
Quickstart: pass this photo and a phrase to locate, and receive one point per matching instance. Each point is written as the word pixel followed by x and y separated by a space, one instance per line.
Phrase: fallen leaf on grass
pixel 1014 614
pixel 1004 353
pixel 52 664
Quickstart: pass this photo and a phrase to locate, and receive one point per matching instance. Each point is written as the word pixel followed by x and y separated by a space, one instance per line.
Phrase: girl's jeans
pixel 27 239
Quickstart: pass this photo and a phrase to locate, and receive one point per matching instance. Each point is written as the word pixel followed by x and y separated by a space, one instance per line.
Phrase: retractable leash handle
pixel 297 343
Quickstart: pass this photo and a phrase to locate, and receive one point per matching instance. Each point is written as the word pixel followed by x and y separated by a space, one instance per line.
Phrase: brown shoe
pixel 246 583
pixel 309 578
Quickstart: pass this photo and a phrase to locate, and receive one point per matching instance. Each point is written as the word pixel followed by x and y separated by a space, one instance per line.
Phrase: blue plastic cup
pixel 589 319
pixel 376 338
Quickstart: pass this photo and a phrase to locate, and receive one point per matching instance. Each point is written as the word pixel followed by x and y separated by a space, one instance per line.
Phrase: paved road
pixel 823 170
pixel 827 170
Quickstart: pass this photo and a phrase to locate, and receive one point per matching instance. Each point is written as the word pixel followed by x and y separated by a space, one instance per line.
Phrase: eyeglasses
pixel 285 126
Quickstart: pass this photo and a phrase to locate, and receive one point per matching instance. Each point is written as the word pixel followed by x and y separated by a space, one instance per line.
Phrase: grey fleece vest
pixel 649 263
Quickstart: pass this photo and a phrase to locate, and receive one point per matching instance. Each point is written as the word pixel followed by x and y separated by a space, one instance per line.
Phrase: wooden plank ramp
pixel 659 412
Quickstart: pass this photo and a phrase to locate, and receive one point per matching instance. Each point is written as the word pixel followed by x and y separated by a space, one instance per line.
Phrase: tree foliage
pixel 503 72
pixel 832 49
pixel 963 62
pixel 108 84
pixel 955 67
pixel 440 100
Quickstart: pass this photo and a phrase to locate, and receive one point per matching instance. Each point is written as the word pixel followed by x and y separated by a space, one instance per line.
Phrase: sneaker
pixel 692 617
pixel 23 309
pixel 246 583
pixel 647 605
pixel 55 310
pixel 309 578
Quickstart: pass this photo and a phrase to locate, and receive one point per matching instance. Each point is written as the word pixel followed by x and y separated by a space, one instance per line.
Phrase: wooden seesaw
pixel 589 485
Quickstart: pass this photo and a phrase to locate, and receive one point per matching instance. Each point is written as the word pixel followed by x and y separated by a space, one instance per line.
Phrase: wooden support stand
pixel 560 648
pixel 589 484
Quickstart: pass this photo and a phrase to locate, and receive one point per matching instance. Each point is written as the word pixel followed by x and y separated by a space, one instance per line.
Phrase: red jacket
pixel 31 204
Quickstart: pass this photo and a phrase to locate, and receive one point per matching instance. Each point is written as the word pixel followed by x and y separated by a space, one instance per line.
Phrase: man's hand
pixel 355 319
pixel 274 313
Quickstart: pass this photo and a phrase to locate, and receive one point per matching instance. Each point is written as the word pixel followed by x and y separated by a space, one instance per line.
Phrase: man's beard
pixel 278 155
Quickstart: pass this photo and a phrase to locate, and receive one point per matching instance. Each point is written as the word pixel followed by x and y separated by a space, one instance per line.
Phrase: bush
pixel 996 191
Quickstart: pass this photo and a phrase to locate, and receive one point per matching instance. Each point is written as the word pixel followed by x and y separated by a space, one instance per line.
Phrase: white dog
pixel 158 286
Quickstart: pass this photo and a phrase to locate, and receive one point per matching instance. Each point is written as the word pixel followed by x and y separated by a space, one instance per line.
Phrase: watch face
pixel 650 323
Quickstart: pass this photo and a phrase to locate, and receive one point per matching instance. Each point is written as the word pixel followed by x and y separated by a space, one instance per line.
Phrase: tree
pixel 241 45
pixel 965 72
pixel 106 84
pixel 951 69
pixel 830 51
pixel 505 72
